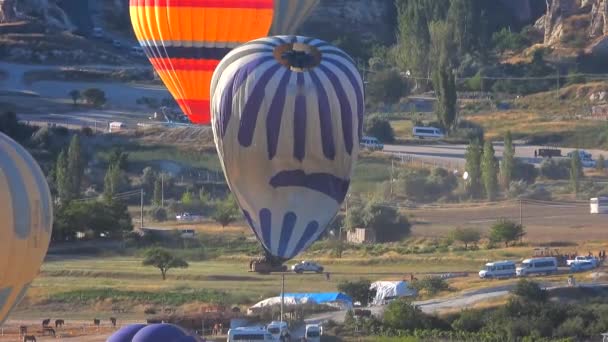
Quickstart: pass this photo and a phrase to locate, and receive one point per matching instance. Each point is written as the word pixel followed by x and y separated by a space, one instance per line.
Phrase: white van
pixel 371 143
pixel 599 205
pixel 537 266
pixel 279 331
pixel 313 333
pixel 249 334
pixel 498 269
pixel 117 126
pixel 427 132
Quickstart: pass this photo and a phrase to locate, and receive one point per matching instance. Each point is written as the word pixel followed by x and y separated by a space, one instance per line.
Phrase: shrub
pixel 358 290
pixel 539 193
pixel 517 188
pixel 555 170
pixel 387 222
pixel 524 171
pixel 386 86
pixel 431 285
pixel 530 291
pixel 94 96
pixel 379 127
pixel 470 321
pixel 158 214
pixel 506 231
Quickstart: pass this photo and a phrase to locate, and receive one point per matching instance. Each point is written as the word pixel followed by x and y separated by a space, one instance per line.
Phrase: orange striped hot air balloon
pixel 186 39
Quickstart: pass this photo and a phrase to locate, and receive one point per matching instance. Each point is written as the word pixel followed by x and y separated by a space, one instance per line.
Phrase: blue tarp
pixel 327 297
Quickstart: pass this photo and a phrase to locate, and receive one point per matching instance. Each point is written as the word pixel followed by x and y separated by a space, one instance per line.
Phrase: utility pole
pixel 282 294
pixel 141 212
pixel 162 190
pixel 521 212
pixel 392 176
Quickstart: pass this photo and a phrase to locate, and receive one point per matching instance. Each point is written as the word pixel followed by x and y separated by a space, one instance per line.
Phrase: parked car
pixel 313 333
pixel 184 217
pixel 372 143
pixel 582 258
pixel 498 269
pixel 582 266
pixel 307 266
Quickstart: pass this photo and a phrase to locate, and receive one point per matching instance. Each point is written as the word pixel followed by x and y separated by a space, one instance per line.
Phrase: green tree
pixel 163 260
pixel 506 231
pixel 157 197
pixel 386 221
pixel 466 236
pixel 62 180
pixel 148 180
pixel 119 158
pixel 226 211
pixel 473 168
pixel 379 127
pixel 402 315
pixel 530 291
pixel 94 96
pixel 576 171
pixel 464 19
pixel 358 290
pixel 507 166
pixel 115 181
pixel 75 95
pixel 444 83
pixel 75 167
pixel 187 198
pixel 431 285
pixel 601 163
pixel 386 86
pixel 489 170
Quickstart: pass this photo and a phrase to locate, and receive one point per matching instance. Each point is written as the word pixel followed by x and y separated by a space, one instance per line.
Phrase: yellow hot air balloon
pixel 27 219
pixel 186 39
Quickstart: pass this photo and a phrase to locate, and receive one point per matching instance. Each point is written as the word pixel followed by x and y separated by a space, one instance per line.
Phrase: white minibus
pixel 498 269
pixel 537 266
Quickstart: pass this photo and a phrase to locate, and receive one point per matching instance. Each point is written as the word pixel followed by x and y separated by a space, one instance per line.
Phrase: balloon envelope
pixel 26 222
pixel 126 334
pixel 152 333
pixel 185 39
pixel 287 118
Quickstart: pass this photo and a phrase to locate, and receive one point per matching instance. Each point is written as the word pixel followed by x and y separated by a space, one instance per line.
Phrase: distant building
pixel 599 112
pixel 361 236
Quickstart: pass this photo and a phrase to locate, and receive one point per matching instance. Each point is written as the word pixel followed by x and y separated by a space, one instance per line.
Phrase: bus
pixel 599 205
pixel 427 132
pixel 249 334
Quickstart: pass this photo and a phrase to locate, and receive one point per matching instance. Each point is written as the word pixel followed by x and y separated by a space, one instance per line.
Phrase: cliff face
pixel 564 16
pixel 369 20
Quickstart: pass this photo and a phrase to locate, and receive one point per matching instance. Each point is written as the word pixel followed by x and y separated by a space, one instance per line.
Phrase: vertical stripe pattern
pixel 27 219
pixel 287 137
pixel 185 39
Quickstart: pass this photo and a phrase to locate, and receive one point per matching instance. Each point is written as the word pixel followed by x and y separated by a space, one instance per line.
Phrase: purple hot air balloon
pixel 287 120
pixel 152 333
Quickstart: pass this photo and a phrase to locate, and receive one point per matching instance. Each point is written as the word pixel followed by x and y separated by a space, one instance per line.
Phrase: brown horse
pixel 113 321
pixel 29 338
pixel 59 323
pixel 22 330
pixel 49 330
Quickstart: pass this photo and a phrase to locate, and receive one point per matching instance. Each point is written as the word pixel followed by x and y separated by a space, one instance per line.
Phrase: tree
pixel 119 158
pixel 115 181
pixel 75 167
pixel 507 166
pixel 9 125
pixel 226 211
pixel 75 95
pixel 506 231
pixel 386 86
pixel 576 171
pixel 111 219
pixel 148 179
pixel 187 198
pixel 466 236
pixel 157 196
pixel 163 260
pixel 62 181
pixel 444 78
pixel 530 291
pixel 489 170
pixel 473 168
pixel 94 96
pixel 601 163
pixel 401 314
pixel 358 290
pixel 386 221
pixel 379 127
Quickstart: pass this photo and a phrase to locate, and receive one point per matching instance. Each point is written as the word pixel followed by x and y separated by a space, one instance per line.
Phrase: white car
pixel 279 331
pixel 371 143
pixel 581 258
pixel 307 266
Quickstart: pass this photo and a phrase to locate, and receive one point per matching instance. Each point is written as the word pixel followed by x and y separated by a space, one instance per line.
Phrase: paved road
pixel 121 95
pixel 431 306
pixel 454 154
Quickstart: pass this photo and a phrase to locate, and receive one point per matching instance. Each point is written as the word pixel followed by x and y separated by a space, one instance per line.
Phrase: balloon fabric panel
pixel 287 138
pixel 25 230
pixel 185 39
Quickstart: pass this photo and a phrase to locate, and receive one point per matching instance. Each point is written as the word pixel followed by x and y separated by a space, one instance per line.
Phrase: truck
pixel 581 258
pixel 549 152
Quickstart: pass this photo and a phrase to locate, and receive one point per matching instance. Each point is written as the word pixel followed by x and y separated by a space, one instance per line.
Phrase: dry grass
pixel 524 123
pixel 402 128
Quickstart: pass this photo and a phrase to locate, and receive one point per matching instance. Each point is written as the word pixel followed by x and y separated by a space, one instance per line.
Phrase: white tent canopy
pixel 391 289
pixel 276 301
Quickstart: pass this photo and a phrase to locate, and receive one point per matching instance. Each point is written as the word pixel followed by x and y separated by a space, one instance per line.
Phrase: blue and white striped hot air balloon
pixel 287 118
pixel 26 222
